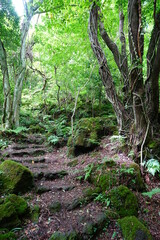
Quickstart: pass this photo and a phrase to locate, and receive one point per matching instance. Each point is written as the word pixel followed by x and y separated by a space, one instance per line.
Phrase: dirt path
pixel 59 192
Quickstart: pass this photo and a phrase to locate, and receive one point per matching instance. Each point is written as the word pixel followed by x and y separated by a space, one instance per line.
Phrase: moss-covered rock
pixel 130 176
pixel 8 216
pixel 133 229
pixel 123 201
pixel 20 205
pixel 88 133
pixel 12 209
pixel 103 177
pixel 16 177
pixel 8 236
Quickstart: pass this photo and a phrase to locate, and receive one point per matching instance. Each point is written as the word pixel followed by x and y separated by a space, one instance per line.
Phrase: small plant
pixel 88 171
pixel 151 193
pixel 153 166
pixel 119 138
pixel 3 144
pixel 126 170
pixel 53 139
pixel 103 199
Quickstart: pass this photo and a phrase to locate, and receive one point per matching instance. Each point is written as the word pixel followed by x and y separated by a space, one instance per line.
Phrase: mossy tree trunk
pixel 142 94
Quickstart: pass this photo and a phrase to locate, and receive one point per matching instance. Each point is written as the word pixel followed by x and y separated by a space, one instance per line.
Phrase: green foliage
pixel 18 130
pixel 153 166
pixel 152 192
pixel 3 143
pixel 53 139
pixel 102 197
pixel 88 169
pixel 9 24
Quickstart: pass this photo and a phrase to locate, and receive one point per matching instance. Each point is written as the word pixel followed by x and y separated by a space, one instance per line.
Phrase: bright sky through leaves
pixel 18 4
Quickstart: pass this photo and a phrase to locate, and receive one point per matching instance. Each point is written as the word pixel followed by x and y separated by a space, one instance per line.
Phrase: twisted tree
pixel 137 111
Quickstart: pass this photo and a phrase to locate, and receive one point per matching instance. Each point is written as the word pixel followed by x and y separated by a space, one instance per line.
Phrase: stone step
pixel 25 153
pixel 50 175
pixel 30 160
pixel 26 146
pixel 43 189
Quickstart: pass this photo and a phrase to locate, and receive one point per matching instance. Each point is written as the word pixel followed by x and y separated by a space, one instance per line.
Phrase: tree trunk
pixel 6 118
pixel 11 109
pixel 121 114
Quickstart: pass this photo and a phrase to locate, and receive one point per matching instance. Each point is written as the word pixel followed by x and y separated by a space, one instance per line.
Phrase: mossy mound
pixel 103 177
pixel 88 133
pixel 133 229
pixel 8 236
pixel 123 201
pixel 130 176
pixel 109 174
pixel 64 236
pixel 15 177
pixel 12 209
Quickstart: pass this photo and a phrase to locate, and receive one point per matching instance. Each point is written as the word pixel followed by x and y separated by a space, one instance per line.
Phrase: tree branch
pixel 103 67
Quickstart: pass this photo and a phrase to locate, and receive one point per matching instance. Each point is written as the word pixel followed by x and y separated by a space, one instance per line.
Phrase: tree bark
pixel 136 42
pixel 121 114
pixel 11 109
pixel 153 70
pixel 6 118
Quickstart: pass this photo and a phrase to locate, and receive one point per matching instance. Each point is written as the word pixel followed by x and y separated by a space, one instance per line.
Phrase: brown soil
pixel 68 188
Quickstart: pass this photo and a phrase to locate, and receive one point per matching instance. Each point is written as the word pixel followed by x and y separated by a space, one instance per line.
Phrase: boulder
pixel 130 176
pixel 123 201
pixel 103 177
pixel 8 236
pixel 15 177
pixel 133 229
pixel 108 174
pixel 88 133
pixel 12 209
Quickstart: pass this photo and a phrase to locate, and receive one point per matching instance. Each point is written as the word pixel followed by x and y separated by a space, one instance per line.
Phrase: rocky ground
pixel 57 200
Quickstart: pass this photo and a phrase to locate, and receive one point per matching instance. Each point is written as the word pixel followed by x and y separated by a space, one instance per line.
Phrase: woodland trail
pixel 58 200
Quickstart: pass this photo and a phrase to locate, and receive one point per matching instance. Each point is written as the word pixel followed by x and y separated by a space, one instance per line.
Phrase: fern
pixel 151 193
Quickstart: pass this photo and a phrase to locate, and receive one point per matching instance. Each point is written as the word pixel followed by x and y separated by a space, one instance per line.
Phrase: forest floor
pixel 58 190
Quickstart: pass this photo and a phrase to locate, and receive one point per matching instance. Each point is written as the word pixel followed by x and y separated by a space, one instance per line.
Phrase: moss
pixel 91 192
pixel 133 229
pixel 20 205
pixel 132 179
pixel 8 236
pixel 111 215
pixel 35 213
pixel 88 133
pixel 12 208
pixel 8 216
pixel 55 207
pixel 123 201
pixel 103 178
pixel 17 178
pixel 109 162
pixel 153 144
pixel 73 163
